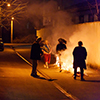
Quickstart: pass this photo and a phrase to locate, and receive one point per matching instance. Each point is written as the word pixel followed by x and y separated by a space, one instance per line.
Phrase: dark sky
pixel 70 2
pixel 77 1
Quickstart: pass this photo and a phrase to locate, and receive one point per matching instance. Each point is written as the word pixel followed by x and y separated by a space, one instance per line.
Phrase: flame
pixel 57 61
pixel 66 64
pixel 65 61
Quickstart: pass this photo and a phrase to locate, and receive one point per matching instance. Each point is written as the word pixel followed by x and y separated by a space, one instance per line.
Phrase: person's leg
pixel 82 73
pixel 44 57
pixel 49 58
pixel 34 67
pixel 75 72
pixel 46 60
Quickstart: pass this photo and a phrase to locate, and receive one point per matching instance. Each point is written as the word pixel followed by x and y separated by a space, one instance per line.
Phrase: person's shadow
pixel 44 78
pixel 92 81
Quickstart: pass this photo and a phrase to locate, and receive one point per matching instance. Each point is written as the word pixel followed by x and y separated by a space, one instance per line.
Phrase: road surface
pixel 16 83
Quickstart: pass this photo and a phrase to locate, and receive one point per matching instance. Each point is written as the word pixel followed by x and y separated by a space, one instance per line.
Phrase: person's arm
pixel 57 49
pixel 44 52
pixel 74 51
pixel 50 49
pixel 85 53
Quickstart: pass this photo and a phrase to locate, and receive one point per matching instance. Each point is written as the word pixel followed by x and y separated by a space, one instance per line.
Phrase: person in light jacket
pixel 47 53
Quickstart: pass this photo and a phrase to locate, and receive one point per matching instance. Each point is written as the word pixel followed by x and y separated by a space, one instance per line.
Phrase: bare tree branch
pixel 16 9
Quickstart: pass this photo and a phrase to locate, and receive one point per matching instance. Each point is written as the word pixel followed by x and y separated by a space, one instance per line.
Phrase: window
pixel 91 18
pixel 81 19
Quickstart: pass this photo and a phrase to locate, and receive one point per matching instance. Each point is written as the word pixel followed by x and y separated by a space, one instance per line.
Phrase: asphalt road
pixel 17 84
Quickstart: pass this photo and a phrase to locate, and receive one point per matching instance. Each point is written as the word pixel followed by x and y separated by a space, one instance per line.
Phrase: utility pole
pixel 12 29
pixel 0 23
pixel 16 10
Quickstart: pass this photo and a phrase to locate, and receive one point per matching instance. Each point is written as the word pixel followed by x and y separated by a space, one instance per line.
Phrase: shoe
pixel 44 66
pixel 83 79
pixel 34 75
pixel 60 71
pixel 47 67
pixel 74 78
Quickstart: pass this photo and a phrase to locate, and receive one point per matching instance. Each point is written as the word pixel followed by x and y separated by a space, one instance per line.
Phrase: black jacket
pixel 60 47
pixel 79 54
pixel 36 51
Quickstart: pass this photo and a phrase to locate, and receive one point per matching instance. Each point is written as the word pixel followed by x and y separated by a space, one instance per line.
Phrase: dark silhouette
pixel 36 53
pixel 61 45
pixel 79 54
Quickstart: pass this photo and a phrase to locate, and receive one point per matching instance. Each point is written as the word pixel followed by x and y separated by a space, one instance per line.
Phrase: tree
pixel 9 9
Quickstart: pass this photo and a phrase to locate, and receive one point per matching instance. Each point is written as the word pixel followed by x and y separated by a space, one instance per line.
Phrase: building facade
pixel 87 11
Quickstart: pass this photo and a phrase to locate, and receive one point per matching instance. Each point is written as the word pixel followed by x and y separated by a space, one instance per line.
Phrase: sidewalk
pixel 17 44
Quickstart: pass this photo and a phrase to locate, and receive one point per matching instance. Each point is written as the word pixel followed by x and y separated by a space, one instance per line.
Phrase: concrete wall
pixel 89 33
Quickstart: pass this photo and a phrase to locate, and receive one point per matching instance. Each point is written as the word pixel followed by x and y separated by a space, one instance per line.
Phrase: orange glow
pixel 66 62
pixel 12 18
pixel 8 4
pixel 88 33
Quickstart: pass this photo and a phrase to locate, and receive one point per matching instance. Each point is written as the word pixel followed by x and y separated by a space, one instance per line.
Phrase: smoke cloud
pixel 63 27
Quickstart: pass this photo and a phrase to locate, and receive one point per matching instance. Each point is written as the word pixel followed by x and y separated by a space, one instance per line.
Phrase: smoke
pixel 37 10
pixel 60 24
pixel 89 33
pixel 63 27
pixel 58 20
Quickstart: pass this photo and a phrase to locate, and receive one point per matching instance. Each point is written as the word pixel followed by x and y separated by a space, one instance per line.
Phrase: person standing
pixel 79 55
pixel 36 53
pixel 47 53
pixel 61 46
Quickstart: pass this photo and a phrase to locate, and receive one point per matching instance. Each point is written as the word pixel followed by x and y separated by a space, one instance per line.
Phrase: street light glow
pixel 8 4
pixel 12 18
pixel 6 13
pixel 12 29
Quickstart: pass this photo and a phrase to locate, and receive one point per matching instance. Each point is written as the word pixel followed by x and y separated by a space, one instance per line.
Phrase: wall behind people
pixel 89 33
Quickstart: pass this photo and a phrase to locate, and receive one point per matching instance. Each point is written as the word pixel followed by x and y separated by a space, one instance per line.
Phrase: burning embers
pixel 64 61
pixel 63 58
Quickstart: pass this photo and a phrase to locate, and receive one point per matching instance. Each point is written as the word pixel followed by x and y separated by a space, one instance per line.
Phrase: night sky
pixel 73 2
pixel 69 3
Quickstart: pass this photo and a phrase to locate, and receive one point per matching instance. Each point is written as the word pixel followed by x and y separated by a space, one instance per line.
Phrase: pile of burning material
pixel 65 61
pixel 64 58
